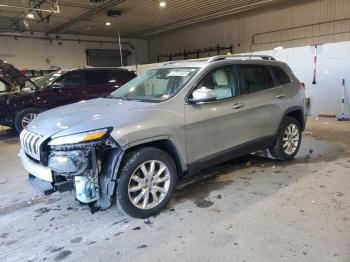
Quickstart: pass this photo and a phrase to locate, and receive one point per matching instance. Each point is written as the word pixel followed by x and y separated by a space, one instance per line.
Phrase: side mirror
pixel 56 85
pixel 203 94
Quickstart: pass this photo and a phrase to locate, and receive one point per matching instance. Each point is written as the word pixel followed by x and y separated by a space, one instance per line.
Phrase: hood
pixel 84 116
pixel 9 72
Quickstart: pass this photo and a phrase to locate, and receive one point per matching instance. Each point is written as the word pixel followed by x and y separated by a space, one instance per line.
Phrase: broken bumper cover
pixel 41 178
pixel 41 172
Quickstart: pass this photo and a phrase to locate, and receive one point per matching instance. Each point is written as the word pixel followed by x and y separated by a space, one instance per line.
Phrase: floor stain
pixel 54 249
pixel 4 235
pixel 11 242
pixel 76 240
pixel 62 255
pixel 203 203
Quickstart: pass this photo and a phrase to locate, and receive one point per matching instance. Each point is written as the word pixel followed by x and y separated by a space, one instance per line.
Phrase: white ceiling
pixel 140 18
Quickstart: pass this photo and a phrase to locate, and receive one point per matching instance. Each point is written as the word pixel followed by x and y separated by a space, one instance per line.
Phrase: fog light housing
pixel 68 162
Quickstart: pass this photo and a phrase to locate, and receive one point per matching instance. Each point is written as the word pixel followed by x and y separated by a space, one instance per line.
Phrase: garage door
pixel 106 57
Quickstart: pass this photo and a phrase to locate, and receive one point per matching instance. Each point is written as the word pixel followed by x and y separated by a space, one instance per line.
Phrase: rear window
pixel 280 75
pixel 124 76
pixel 98 78
pixel 256 77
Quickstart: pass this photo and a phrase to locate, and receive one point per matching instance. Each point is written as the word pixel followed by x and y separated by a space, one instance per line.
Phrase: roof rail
pixel 223 57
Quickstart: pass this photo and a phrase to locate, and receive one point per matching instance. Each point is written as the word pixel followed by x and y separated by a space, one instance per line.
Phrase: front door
pixel 68 89
pixel 217 126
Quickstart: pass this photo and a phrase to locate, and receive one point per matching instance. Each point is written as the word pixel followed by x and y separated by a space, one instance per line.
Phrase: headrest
pixel 220 78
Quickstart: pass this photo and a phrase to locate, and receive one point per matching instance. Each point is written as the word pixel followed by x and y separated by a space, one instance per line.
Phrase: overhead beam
pixel 86 16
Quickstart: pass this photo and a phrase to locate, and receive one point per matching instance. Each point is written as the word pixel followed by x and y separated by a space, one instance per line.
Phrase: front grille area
pixel 31 143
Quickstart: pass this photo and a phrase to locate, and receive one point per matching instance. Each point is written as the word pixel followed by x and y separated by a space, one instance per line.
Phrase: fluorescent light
pixel 162 3
pixel 108 23
pixel 278 48
pixel 30 16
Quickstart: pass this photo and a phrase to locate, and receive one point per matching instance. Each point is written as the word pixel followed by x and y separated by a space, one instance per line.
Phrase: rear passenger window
pixel 256 77
pixel 98 78
pixel 124 76
pixel 280 75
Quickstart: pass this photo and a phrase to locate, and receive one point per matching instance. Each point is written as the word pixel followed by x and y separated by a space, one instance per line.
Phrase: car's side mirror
pixel 57 85
pixel 202 95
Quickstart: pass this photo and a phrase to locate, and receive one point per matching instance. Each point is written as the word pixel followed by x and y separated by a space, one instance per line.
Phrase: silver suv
pixel 171 121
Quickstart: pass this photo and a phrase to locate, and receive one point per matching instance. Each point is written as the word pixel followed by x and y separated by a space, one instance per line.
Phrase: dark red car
pixel 59 88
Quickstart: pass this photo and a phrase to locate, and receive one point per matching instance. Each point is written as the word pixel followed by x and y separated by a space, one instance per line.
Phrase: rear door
pixel 123 76
pixel 99 83
pixel 264 99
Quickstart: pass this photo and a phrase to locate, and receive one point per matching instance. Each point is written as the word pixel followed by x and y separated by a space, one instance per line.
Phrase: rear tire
pixel 288 140
pixel 146 183
pixel 24 117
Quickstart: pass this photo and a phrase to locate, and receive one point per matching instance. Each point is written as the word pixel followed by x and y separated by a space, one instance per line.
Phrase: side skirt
pixel 231 153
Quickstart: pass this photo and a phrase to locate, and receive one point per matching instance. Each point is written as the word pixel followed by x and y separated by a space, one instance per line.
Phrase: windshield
pixel 155 85
pixel 45 81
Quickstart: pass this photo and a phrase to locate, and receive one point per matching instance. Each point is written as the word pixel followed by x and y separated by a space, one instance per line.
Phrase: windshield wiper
pixel 118 97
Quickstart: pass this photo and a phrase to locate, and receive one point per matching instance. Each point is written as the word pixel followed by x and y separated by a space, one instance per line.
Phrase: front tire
pixel 288 140
pixel 146 183
pixel 24 117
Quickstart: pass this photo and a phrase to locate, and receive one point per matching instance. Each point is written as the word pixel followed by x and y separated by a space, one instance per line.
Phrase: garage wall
pixel 322 21
pixel 40 54
pixel 333 64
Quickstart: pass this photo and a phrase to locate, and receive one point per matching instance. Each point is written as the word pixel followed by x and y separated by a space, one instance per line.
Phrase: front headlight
pixel 68 162
pixel 80 137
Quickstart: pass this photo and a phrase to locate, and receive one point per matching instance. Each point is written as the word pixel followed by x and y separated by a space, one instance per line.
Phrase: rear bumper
pixel 41 172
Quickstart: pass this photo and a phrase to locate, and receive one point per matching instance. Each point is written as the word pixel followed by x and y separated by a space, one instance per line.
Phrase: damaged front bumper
pixel 41 177
pixel 41 172
pixel 88 169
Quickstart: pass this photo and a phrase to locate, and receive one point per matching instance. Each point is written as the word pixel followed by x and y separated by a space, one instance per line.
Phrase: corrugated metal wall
pixel 316 22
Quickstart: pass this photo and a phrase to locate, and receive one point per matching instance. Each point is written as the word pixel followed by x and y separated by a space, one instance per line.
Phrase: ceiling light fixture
pixel 26 24
pixel 278 48
pixel 30 16
pixel 162 3
pixel 108 23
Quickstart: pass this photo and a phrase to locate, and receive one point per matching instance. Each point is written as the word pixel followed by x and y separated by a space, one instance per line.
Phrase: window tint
pixel 124 76
pixel 256 77
pixel 72 79
pixel 98 78
pixel 222 80
pixel 280 75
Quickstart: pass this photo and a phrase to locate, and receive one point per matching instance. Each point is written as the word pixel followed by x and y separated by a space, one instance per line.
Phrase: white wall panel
pixel 238 30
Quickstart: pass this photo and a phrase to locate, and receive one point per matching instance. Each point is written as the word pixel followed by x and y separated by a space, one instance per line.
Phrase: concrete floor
pixel 250 209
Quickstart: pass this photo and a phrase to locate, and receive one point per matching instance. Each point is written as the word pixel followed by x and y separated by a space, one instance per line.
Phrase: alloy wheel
pixel 149 184
pixel 291 139
pixel 27 119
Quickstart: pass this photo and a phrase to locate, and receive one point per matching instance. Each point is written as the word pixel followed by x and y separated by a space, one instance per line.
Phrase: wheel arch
pixel 296 112
pixel 165 144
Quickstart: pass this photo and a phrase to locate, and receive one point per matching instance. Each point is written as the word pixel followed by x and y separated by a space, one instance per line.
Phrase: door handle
pixel 237 106
pixel 280 96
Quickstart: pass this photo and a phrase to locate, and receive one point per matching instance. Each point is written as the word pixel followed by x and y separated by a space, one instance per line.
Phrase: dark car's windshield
pixel 45 81
pixel 155 85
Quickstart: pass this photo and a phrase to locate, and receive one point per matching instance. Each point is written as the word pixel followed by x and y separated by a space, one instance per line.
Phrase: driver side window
pixel 222 80
pixel 72 80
